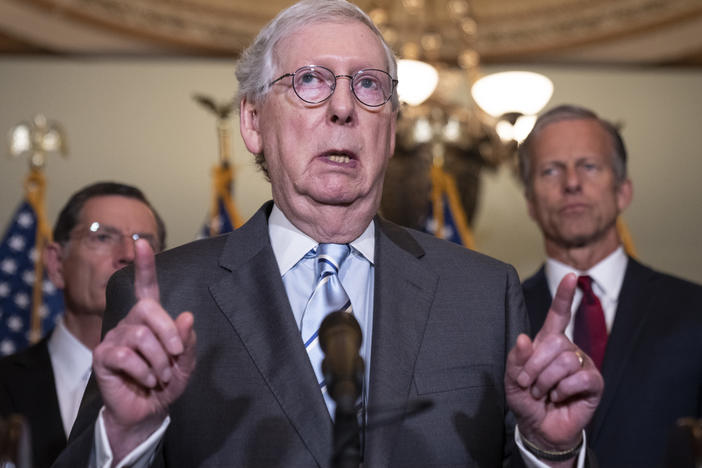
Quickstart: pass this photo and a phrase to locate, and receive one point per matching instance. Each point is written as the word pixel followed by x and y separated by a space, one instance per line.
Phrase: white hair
pixel 256 67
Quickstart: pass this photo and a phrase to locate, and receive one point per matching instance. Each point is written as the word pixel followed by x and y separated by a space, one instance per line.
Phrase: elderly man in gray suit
pixel 318 109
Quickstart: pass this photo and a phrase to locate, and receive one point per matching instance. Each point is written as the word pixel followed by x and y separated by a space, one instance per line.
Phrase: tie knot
pixel 330 257
pixel 585 284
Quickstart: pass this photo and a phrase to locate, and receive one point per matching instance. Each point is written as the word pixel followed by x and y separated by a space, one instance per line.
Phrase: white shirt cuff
pixel 140 457
pixel 530 459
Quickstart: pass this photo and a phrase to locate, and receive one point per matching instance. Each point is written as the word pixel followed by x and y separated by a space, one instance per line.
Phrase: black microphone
pixel 340 338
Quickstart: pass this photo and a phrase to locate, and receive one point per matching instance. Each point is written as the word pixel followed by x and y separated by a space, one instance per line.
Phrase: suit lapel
pixel 633 311
pixel 253 299
pixel 404 291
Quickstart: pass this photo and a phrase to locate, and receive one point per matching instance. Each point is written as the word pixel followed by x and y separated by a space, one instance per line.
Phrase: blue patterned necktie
pixel 328 296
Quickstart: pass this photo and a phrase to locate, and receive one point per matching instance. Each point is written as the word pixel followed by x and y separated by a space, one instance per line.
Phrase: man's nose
pixel 125 251
pixel 342 103
pixel 572 181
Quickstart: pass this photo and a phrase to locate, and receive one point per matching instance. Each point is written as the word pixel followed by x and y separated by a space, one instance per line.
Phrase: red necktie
pixel 590 330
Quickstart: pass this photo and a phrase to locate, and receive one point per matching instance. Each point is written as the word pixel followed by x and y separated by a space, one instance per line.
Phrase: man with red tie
pixel 642 328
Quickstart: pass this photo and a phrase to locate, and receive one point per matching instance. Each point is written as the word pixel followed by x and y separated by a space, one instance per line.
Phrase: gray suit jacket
pixel 444 320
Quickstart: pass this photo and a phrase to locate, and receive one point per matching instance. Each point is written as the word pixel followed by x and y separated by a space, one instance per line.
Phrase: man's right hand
pixel 144 363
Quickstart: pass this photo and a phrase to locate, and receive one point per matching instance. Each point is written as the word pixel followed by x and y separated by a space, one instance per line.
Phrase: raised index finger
pixel 559 314
pixel 145 282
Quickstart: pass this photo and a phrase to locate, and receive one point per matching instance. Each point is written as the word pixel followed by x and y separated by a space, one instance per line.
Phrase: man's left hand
pixel 552 387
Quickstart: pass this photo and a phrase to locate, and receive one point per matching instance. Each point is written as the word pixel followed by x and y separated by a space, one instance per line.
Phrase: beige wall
pixel 135 121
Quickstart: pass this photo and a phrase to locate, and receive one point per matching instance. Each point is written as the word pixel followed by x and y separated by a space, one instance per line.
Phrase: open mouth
pixel 339 157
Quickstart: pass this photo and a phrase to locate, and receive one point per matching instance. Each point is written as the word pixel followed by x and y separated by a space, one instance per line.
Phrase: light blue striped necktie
pixel 328 296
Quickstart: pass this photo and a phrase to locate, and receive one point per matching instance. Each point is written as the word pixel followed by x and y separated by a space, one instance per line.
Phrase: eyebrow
pixel 109 228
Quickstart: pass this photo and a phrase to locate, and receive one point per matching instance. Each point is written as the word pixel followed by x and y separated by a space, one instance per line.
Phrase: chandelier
pixel 454 122
pixel 431 36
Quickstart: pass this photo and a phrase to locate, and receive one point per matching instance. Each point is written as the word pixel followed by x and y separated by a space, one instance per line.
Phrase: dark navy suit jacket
pixel 652 366
pixel 27 387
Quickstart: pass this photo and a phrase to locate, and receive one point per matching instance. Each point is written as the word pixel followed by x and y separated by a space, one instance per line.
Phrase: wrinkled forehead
pixel 575 134
pixel 303 44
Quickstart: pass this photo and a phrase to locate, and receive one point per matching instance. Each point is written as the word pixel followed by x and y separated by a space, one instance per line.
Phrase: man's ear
pixel 531 209
pixel 625 193
pixel 393 133
pixel 53 261
pixel 249 126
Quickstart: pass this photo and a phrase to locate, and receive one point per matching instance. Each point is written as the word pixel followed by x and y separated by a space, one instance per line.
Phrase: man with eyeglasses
pixel 318 109
pixel 93 237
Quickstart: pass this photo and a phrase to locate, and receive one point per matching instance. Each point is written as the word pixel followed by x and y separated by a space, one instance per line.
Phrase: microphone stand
pixel 340 338
pixel 347 440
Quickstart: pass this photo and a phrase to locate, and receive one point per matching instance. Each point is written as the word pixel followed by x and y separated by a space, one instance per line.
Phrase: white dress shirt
pixel 71 361
pixel 607 278
pixel 292 248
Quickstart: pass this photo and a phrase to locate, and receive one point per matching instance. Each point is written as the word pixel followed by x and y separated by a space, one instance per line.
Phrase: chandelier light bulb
pixel 522 127
pixel 417 81
pixel 519 92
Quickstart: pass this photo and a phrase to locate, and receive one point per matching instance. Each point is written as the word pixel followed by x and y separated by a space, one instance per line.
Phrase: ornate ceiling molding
pixel 557 25
pixel 508 30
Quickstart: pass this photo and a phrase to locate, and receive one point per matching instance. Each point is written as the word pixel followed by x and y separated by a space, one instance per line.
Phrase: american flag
pixel 446 218
pixel 449 230
pixel 220 223
pixel 224 216
pixel 17 276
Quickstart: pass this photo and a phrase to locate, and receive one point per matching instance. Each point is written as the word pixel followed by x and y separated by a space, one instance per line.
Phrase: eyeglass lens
pixel 314 84
pixel 103 237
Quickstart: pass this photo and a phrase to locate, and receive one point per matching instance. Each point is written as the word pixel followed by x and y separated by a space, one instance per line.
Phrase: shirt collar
pixel 608 274
pixel 290 244
pixel 72 356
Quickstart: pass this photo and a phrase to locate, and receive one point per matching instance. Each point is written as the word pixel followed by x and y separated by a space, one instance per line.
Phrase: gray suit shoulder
pixel 192 252
pixel 450 254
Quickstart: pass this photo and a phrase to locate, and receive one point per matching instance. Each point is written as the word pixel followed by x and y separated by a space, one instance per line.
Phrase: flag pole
pixel 223 172
pixel 35 191
pixel 443 183
pixel 625 237
pixel 37 139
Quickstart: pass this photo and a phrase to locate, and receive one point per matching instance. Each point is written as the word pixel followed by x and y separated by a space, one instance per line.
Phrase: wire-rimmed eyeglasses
pixel 104 238
pixel 315 84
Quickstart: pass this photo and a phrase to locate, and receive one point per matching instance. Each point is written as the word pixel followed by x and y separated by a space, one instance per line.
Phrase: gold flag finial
pixel 37 139
pixel 222 111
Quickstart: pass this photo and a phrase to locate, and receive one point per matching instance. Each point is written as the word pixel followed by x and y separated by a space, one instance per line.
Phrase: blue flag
pixel 220 223
pixel 446 218
pixel 223 217
pixel 17 277
pixel 449 230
